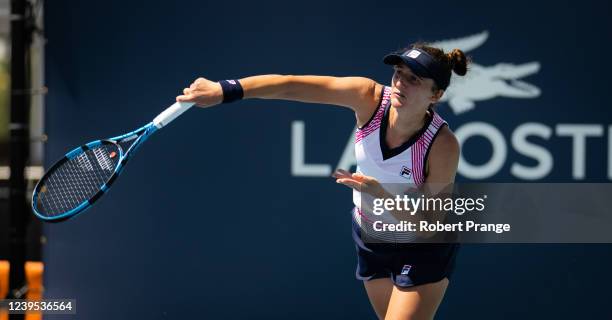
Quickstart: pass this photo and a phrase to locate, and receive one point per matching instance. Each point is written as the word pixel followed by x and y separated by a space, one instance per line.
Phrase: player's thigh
pixel 379 292
pixel 416 303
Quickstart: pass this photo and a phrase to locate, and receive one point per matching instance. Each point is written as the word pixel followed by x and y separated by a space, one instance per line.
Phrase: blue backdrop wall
pixel 211 219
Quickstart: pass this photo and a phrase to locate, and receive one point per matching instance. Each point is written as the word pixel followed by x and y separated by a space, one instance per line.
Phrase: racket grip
pixel 171 113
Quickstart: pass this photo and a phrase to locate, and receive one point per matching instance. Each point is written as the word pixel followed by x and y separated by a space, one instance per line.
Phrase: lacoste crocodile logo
pixel 486 82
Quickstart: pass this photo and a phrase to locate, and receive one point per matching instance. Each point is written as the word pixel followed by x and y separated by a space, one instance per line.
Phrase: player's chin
pixel 396 102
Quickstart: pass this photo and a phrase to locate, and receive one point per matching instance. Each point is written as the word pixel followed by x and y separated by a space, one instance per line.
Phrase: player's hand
pixel 203 92
pixel 360 183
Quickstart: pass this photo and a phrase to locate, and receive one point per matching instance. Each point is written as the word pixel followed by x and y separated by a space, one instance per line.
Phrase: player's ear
pixel 436 96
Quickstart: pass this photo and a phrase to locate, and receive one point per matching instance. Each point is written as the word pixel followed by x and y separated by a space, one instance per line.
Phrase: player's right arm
pixel 357 93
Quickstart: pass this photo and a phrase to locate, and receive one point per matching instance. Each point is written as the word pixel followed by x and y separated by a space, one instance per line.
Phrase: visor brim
pixel 415 67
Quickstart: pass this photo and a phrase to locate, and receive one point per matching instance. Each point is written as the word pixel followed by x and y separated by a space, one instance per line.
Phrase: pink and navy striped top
pixel 401 166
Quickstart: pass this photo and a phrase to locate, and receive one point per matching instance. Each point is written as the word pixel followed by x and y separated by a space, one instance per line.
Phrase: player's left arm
pixel 441 168
pixel 442 162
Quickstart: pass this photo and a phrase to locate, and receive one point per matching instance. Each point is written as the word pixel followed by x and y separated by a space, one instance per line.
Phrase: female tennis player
pixel 400 140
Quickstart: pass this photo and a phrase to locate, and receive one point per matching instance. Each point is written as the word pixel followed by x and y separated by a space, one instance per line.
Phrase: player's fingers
pixel 360 177
pixel 344 172
pixel 363 178
pixel 339 173
pixel 350 183
pixel 184 98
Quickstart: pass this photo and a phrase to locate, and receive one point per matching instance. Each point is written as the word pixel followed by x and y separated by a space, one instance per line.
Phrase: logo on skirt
pixel 406 269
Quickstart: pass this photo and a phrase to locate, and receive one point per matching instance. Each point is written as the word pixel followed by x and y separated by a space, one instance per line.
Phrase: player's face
pixel 410 90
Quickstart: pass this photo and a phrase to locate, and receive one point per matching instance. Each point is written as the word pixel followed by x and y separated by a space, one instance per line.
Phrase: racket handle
pixel 171 113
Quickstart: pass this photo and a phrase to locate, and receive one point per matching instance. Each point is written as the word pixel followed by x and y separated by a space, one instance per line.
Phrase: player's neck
pixel 404 123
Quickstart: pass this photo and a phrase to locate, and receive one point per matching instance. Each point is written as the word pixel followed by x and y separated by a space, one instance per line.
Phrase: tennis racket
pixel 85 174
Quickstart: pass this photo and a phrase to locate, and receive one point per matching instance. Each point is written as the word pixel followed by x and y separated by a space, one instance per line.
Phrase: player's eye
pixel 413 80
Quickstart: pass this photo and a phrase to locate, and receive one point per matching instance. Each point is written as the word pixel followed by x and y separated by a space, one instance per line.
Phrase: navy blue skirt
pixel 407 264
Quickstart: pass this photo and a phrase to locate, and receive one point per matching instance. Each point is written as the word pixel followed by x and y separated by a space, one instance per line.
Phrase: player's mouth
pixel 398 95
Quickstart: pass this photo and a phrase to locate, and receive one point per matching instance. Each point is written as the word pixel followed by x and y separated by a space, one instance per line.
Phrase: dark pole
pixel 19 150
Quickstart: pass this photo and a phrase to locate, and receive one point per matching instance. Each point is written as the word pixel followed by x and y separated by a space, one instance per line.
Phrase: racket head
pixel 77 180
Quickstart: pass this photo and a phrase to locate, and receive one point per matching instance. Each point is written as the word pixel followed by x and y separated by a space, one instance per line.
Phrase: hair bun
pixel 458 61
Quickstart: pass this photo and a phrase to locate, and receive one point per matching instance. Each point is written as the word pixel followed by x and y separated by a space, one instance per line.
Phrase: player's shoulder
pixel 372 98
pixel 446 143
pixel 368 88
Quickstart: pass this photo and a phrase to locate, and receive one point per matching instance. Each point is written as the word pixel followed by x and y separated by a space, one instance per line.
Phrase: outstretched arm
pixel 358 93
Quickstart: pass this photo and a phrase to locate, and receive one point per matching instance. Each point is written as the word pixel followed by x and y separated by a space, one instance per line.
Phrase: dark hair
pixel 455 60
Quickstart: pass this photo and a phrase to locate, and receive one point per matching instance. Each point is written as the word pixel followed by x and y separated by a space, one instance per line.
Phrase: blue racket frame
pixel 143 134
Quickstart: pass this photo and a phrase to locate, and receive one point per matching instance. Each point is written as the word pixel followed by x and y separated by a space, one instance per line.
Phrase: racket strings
pixel 77 180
